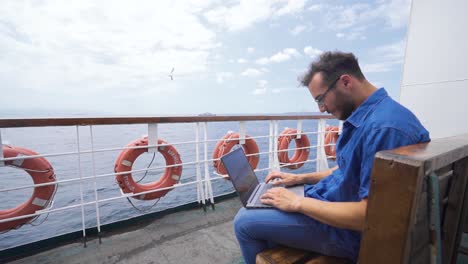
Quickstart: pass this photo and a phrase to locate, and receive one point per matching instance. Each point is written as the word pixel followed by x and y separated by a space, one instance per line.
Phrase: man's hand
pixel 282 199
pixel 283 178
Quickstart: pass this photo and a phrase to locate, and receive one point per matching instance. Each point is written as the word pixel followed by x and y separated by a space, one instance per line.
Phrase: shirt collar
pixel 361 113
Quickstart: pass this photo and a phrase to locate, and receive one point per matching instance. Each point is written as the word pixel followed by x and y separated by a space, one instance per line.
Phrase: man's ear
pixel 346 79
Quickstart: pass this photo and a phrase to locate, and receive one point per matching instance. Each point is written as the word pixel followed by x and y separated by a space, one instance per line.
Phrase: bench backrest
pixel 398 222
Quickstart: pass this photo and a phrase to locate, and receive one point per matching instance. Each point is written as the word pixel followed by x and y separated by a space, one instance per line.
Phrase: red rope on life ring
pixel 225 145
pixel 300 155
pixel 40 171
pixel 331 137
pixel 125 162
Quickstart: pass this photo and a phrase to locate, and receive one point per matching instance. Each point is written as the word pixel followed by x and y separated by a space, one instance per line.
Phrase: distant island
pixel 207 114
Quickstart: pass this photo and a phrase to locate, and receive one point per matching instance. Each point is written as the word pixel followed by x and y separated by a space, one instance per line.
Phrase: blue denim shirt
pixel 379 123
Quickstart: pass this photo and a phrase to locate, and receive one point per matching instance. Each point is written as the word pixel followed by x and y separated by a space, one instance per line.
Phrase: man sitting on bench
pixel 330 218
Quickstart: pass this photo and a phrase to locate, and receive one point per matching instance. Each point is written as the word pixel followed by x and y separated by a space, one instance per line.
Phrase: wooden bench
pixel 399 227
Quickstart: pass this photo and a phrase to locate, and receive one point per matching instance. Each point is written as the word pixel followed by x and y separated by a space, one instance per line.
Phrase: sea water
pixel 48 140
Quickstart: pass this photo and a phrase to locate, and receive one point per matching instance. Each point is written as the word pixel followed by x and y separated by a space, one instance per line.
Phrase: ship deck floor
pixel 191 236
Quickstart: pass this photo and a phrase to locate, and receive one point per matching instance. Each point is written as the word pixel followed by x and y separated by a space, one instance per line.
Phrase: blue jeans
pixel 260 229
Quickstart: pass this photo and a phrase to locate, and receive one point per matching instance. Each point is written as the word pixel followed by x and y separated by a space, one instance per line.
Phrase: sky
pixel 114 58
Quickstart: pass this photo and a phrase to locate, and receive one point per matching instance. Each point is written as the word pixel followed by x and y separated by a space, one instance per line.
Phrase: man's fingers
pixel 277 182
pixel 272 177
pixel 266 201
pixel 267 195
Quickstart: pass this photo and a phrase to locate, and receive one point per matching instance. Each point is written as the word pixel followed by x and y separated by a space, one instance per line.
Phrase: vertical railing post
pixel 200 189
pixel 299 129
pixel 321 157
pixel 242 132
pixel 208 187
pixel 2 163
pixel 276 165
pixel 152 137
pixel 83 223
pixel 98 220
pixel 271 146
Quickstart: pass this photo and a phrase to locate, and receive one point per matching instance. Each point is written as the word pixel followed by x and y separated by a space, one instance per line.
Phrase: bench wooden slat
pixel 285 255
pixel 390 209
pixel 454 210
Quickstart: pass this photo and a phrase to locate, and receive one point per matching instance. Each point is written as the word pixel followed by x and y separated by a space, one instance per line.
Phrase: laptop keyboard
pixel 256 202
pixel 266 187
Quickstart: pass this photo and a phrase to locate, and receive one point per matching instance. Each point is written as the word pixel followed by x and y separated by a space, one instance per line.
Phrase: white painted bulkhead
pixel 435 71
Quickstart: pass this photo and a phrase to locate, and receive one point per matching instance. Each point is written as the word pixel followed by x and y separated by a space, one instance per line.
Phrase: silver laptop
pixel 246 183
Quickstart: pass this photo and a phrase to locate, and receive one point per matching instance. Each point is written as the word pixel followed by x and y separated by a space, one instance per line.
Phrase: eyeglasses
pixel 321 98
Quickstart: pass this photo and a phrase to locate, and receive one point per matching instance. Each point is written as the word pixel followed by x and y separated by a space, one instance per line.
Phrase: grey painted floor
pixel 191 236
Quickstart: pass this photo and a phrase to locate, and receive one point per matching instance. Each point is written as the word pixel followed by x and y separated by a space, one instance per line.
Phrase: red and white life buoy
pixel 300 155
pixel 331 137
pixel 125 162
pixel 40 171
pixel 225 145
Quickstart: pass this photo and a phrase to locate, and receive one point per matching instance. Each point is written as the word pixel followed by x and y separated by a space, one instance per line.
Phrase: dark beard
pixel 345 104
pixel 348 109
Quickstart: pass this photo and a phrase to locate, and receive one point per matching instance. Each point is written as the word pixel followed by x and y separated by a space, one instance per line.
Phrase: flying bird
pixel 172 74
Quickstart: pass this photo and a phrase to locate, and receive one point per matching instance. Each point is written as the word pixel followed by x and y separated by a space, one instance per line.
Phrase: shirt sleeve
pixel 379 139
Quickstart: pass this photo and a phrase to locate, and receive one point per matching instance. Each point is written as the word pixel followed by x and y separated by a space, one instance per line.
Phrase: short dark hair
pixel 332 64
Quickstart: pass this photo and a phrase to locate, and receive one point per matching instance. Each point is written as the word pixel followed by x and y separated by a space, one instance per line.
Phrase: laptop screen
pixel 242 176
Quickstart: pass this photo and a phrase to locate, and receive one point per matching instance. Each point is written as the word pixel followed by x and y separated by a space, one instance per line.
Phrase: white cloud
pixel 251 72
pixel 376 67
pixel 316 7
pixel 394 51
pixel 312 52
pixel 261 87
pixel 263 61
pixel 245 13
pixel 241 60
pixel 352 34
pixel 344 17
pixel 262 83
pixel 260 91
pixel 284 55
pixel 223 76
pixel 390 58
pixel 396 12
pixel 297 30
pixel 92 48
pixel 292 6
pixel 250 50
pixel 393 13
pixel 283 90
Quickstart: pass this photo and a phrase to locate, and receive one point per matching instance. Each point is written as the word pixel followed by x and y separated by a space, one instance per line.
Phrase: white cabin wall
pixel 435 72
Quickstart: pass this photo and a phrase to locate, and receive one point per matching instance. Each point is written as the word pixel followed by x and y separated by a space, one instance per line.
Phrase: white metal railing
pixel 203 179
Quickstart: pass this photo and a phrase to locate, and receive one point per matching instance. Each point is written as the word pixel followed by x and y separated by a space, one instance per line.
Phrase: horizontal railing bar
pixel 288 164
pixel 106 150
pixel 124 148
pixel 86 121
pixel 45 211
pixel 134 171
pixel 221 176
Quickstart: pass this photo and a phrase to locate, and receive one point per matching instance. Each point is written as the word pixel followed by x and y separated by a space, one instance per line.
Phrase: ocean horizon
pixel 49 140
